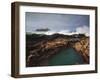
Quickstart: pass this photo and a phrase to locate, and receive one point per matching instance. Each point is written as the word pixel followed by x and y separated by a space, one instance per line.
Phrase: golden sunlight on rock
pixel 78 46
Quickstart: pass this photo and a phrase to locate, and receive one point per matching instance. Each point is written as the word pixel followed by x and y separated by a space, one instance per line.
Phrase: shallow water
pixel 66 57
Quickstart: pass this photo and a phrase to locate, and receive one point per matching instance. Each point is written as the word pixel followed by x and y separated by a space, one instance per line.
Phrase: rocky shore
pixel 40 48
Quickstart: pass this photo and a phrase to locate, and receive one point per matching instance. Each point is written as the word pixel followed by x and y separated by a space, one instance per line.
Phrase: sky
pixel 56 22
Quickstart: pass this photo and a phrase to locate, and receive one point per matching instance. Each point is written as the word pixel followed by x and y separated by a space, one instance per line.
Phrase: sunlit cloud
pixel 83 30
pixel 79 30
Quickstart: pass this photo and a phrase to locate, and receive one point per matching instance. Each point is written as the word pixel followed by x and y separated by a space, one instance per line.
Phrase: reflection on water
pixel 66 57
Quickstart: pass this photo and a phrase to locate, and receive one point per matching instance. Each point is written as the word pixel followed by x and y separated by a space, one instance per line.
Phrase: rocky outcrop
pixel 39 50
pixel 82 47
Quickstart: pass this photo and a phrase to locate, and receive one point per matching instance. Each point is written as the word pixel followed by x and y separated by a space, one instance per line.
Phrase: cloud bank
pixel 83 30
pixel 79 30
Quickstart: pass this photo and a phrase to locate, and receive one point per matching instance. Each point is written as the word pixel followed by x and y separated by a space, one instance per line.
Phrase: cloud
pixel 60 32
pixel 53 32
pixel 83 30
pixel 78 30
pixel 49 32
pixel 64 31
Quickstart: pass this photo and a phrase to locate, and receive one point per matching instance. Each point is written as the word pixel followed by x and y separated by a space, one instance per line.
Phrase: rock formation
pixel 41 48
